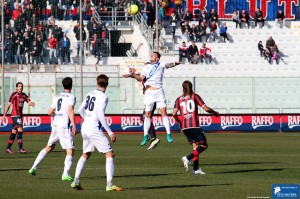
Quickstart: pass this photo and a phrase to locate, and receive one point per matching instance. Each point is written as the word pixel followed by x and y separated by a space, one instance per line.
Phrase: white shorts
pixel 152 96
pixel 64 135
pixel 92 139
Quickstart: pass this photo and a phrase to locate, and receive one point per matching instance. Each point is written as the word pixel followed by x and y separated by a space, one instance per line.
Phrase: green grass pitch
pixel 238 166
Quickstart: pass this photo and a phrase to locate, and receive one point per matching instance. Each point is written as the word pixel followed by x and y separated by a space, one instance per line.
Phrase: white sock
pixel 68 164
pixel 79 168
pixel 39 158
pixel 167 124
pixel 147 124
pixel 110 168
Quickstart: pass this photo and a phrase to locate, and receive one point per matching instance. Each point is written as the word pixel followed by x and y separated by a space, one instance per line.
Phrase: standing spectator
pixel 80 45
pixel 93 111
pixel 54 7
pixel 213 16
pixel 96 44
pixel 178 6
pixel 17 100
pixel 260 47
pixel 213 30
pixel 27 44
pixel 235 18
pixel 18 48
pixel 8 49
pixel 150 14
pixel 193 53
pixel 185 30
pixel 183 52
pixel 259 17
pixel 20 23
pixel 276 54
pixel 8 31
pixel 203 17
pixel 187 15
pixel 190 125
pixel 7 13
pixel 74 11
pixel 53 51
pixel 223 31
pixel 35 52
pixel 40 42
pixel 205 53
pixel 173 24
pixel 64 46
pixel 280 18
pixel 50 24
pixel 244 18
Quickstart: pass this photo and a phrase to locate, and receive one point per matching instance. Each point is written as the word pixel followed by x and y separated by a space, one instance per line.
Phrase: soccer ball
pixel 133 9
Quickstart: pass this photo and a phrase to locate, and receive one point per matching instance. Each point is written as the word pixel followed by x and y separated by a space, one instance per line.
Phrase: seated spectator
pixel 268 55
pixel 193 53
pixel 280 18
pixel 223 31
pixel 270 42
pixel 261 48
pixel 194 32
pixel 183 52
pixel 244 18
pixel 202 30
pixel 213 30
pixel 259 17
pixel 186 29
pixel 235 18
pixel 205 53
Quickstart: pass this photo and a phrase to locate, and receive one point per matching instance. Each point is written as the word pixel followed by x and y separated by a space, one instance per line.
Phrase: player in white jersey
pixel 62 109
pixel 153 73
pixel 92 110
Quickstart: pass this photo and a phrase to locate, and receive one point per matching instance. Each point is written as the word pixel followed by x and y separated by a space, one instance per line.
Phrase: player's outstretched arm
pixel 31 103
pixel 171 65
pixel 210 110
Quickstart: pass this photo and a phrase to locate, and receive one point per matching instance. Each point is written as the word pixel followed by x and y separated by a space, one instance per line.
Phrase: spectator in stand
pixel 244 18
pixel 186 29
pixel 259 17
pixel 268 55
pixel 270 42
pixel 183 52
pixel 223 31
pixel 173 23
pixel 29 11
pixel 50 24
pixel 151 14
pixel 76 30
pixel 187 15
pixel 20 23
pixel 53 52
pixel 35 52
pixel 178 6
pixel 8 30
pixel 64 47
pixel 194 33
pixel 213 30
pixel 54 7
pixel 90 24
pixel 213 17
pixel 27 44
pixel 205 53
pixel 280 18
pixel 15 15
pixel 74 11
pixel 260 47
pixel 96 44
pixel 7 13
pixel 235 18
pixel 276 54
pixel 18 48
pixel 144 12
pixel 202 29
pixel 40 42
pixel 203 17
pixel 193 52
pixel 8 49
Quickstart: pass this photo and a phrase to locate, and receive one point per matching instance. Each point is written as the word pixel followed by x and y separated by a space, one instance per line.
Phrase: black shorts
pixel 17 122
pixel 195 135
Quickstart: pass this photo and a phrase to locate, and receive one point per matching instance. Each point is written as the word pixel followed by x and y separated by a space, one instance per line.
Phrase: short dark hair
pixel 67 83
pixel 17 84
pixel 158 54
pixel 102 80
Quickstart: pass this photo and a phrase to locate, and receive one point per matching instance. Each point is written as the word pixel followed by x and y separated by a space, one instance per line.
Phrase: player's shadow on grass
pixel 248 170
pixel 180 186
pixel 145 175
pixel 239 163
pixel 14 169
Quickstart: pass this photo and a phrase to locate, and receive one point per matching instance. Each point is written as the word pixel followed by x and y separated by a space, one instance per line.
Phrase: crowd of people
pixel 192 54
pixel 270 52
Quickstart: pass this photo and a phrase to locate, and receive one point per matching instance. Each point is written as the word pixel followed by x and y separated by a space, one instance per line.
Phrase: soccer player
pixel 152 133
pixel 187 105
pixel 92 110
pixel 17 100
pixel 62 109
pixel 154 72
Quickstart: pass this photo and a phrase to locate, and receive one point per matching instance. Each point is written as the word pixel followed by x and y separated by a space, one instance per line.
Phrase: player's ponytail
pixel 187 87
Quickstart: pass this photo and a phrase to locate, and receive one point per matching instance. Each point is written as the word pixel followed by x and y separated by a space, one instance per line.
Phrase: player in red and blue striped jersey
pixel 187 104
pixel 17 100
